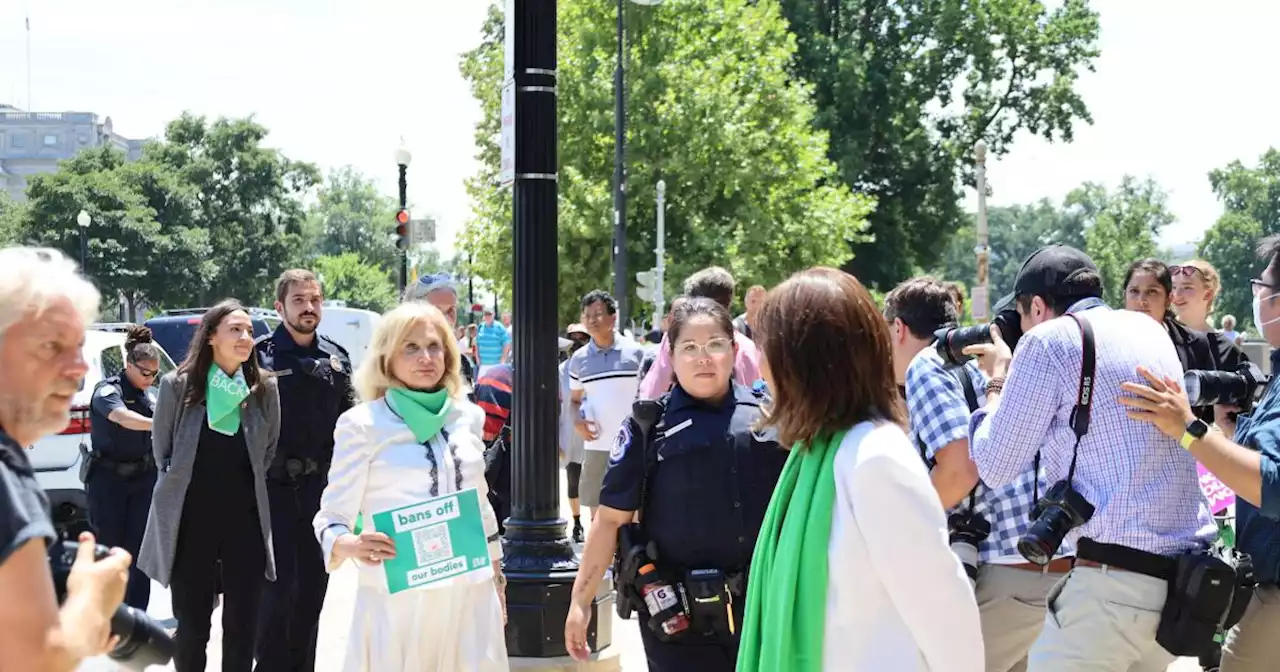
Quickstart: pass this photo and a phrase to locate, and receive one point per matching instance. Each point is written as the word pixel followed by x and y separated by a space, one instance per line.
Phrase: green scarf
pixel 223 395
pixel 424 412
pixel 787 587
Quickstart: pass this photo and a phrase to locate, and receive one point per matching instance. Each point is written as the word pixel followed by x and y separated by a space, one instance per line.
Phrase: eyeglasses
pixel 1188 271
pixel 595 317
pixel 716 347
pixel 147 373
pixel 1259 285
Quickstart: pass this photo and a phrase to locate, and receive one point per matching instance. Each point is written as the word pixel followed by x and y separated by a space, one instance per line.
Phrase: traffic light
pixel 402 229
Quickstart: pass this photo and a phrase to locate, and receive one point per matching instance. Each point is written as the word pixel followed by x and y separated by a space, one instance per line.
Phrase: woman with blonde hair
pixel 414 438
pixel 852 570
pixel 1196 284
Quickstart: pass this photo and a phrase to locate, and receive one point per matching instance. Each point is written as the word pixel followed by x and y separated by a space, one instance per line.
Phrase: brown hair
pixel 290 278
pixel 829 356
pixel 200 356
pixel 924 304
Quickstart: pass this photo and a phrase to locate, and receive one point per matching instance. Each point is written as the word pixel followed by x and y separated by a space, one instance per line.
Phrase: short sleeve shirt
pixel 609 378
pixel 24 508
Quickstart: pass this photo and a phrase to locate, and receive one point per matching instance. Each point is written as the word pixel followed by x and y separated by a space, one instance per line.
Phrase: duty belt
pixel 293 468
pixel 126 468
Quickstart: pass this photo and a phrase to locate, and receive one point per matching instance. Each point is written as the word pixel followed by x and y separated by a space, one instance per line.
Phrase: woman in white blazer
pixel 414 438
pixel 852 569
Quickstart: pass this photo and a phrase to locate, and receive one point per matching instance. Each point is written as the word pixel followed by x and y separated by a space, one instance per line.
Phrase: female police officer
pixel 120 472
pixel 701 483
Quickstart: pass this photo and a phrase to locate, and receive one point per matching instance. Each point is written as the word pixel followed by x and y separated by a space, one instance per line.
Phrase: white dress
pixel 897 598
pixel 451 626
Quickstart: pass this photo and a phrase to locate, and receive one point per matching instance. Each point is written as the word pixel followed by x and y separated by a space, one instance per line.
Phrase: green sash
pixel 787 585
pixel 223 395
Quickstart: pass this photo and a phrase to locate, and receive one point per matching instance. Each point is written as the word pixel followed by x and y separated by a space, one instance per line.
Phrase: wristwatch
pixel 1196 429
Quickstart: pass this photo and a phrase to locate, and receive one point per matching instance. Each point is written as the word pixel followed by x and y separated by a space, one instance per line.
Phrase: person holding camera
pixel 984 523
pixel 44 307
pixel 1248 463
pixel 1126 495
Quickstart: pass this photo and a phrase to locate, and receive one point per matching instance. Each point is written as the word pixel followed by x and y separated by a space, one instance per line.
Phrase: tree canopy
pixel 713 111
pixel 1251 199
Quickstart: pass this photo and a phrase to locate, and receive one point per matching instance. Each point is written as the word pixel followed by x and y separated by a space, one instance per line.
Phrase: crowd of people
pixel 820 483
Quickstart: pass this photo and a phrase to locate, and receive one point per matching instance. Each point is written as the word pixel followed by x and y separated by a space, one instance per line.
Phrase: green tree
pixel 350 215
pixel 132 250
pixel 246 196
pixel 10 219
pixel 348 278
pixel 1014 233
pixel 905 89
pixel 1251 198
pixel 712 111
pixel 1121 227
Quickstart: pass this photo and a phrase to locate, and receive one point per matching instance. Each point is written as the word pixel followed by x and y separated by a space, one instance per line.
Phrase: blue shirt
pixel 939 415
pixel 608 378
pixel 1258 529
pixel 1143 484
pixel 490 340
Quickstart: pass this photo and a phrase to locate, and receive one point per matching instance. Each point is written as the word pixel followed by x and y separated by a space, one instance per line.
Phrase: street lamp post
pixel 660 251
pixel 403 157
pixel 84 220
pixel 619 168
pixel 981 295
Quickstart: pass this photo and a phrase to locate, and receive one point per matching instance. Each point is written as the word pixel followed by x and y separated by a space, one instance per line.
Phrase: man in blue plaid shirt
pixel 1010 591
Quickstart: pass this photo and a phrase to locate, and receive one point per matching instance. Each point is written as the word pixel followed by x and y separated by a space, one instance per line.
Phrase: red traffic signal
pixel 402 229
pixel 402 217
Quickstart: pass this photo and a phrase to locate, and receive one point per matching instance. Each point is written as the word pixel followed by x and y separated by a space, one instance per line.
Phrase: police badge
pixel 335 364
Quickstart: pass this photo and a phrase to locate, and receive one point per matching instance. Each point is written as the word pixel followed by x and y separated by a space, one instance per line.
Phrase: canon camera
pixel 1061 510
pixel 143 642
pixel 1241 387
pixel 951 341
pixel 968 531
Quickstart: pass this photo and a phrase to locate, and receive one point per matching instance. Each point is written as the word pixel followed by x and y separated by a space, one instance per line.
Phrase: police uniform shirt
pixel 24 508
pixel 315 388
pixel 711 483
pixel 114 441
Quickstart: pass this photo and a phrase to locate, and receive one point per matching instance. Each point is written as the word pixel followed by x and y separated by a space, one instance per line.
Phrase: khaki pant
pixel 1102 619
pixel 1011 602
pixel 1254 644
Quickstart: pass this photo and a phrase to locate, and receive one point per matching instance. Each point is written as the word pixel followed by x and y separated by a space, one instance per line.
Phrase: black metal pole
pixel 620 178
pixel 84 250
pixel 404 253
pixel 538 558
pixel 471 287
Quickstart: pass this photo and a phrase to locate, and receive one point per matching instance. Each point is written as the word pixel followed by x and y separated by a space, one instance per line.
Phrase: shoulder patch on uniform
pixel 336 345
pixel 621 443
pixel 108 390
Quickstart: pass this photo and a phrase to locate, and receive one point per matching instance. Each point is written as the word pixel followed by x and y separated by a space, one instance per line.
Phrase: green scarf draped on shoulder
pixel 424 412
pixel 787 587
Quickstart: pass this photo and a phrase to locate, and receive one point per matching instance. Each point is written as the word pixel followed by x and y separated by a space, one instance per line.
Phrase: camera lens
pixel 1045 536
pixel 1215 387
pixel 143 641
pixel 951 342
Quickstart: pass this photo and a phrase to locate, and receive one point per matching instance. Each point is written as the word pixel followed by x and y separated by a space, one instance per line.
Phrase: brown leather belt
pixel 1056 566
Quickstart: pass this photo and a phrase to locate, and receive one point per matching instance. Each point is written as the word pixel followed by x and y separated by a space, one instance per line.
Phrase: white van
pixel 352 328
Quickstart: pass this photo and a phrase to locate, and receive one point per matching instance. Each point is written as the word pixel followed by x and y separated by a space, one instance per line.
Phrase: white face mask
pixel 1257 314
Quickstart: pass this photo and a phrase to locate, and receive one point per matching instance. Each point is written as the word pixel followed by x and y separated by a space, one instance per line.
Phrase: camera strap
pixel 971 398
pixel 1084 400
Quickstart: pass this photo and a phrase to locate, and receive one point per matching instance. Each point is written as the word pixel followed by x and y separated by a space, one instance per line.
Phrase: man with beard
pixel 314 375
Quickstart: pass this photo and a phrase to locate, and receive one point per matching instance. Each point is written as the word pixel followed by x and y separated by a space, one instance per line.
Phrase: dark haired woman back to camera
pixel 118 470
pixel 216 425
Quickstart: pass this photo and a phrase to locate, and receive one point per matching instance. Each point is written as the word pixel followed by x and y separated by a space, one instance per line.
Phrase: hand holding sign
pixel 369 547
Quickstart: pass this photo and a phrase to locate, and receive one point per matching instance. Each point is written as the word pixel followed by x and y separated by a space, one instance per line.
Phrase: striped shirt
pixel 1143 484
pixel 490 340
pixel 608 378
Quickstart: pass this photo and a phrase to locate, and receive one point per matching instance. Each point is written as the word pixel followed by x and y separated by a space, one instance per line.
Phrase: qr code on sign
pixel 432 544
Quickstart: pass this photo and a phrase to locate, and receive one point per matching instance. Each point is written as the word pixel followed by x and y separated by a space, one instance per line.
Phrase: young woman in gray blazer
pixel 217 420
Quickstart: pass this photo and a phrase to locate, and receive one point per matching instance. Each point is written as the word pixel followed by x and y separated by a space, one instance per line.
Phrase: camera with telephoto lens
pixel 968 531
pixel 1061 510
pixel 951 341
pixel 1242 387
pixel 143 641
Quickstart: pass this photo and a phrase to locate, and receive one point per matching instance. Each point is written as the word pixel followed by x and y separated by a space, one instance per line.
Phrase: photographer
pixel 1127 496
pixel 1249 464
pixel 44 306
pixel 985 524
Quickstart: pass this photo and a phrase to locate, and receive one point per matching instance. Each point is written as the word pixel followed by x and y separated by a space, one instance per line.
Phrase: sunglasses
pixel 1188 271
pixel 147 373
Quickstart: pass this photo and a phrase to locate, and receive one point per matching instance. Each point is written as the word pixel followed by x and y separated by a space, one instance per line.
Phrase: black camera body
pixel 143 641
pixel 968 531
pixel 1059 511
pixel 1242 387
pixel 951 341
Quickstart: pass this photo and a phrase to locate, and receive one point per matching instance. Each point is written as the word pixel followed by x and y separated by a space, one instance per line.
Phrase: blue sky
pixel 1180 89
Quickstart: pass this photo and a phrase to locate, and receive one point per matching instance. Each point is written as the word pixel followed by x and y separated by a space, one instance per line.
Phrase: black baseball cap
pixel 1048 268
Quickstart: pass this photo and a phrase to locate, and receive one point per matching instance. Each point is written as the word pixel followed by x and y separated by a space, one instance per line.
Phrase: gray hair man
pixel 44 307
pixel 438 290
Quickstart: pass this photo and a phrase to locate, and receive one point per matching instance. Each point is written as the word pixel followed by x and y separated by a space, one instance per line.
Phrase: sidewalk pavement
pixel 336 618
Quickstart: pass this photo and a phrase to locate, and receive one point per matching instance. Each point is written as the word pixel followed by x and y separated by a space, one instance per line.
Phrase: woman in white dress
pixel 852 570
pixel 413 438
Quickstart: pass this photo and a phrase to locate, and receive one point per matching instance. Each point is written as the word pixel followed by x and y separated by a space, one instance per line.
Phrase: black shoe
pixel 577 535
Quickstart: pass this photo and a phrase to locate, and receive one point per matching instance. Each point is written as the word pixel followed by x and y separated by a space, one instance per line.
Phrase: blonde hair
pixel 373 378
pixel 1212 281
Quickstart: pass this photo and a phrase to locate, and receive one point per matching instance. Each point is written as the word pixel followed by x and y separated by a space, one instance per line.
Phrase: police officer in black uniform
pixel 701 478
pixel 314 375
pixel 119 472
